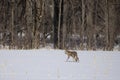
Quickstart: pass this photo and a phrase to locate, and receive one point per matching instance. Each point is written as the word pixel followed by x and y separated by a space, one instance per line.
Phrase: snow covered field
pixel 48 64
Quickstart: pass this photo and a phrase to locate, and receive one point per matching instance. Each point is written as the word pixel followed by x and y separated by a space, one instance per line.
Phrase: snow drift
pixel 48 64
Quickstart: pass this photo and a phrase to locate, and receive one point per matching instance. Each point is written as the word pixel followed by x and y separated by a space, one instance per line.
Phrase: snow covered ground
pixel 48 64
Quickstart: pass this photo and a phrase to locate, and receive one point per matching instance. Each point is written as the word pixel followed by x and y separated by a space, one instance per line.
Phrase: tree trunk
pixel 55 23
pixel 82 35
pixel 60 25
pixel 107 25
pixel 12 24
pixel 90 27
pixel 29 22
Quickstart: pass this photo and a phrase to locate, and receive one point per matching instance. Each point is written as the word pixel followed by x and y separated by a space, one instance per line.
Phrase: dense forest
pixel 61 24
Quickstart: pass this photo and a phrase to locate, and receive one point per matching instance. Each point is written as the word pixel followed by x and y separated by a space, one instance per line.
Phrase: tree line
pixel 62 24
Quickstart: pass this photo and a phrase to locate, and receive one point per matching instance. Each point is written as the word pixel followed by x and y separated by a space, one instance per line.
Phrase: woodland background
pixel 61 24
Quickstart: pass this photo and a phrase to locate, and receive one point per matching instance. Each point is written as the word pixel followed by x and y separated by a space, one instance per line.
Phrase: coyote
pixel 72 54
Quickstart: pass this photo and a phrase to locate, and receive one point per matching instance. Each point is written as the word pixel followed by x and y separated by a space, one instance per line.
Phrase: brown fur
pixel 72 54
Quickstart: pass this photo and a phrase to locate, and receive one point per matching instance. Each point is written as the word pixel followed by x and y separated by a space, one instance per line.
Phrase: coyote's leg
pixel 76 59
pixel 67 58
